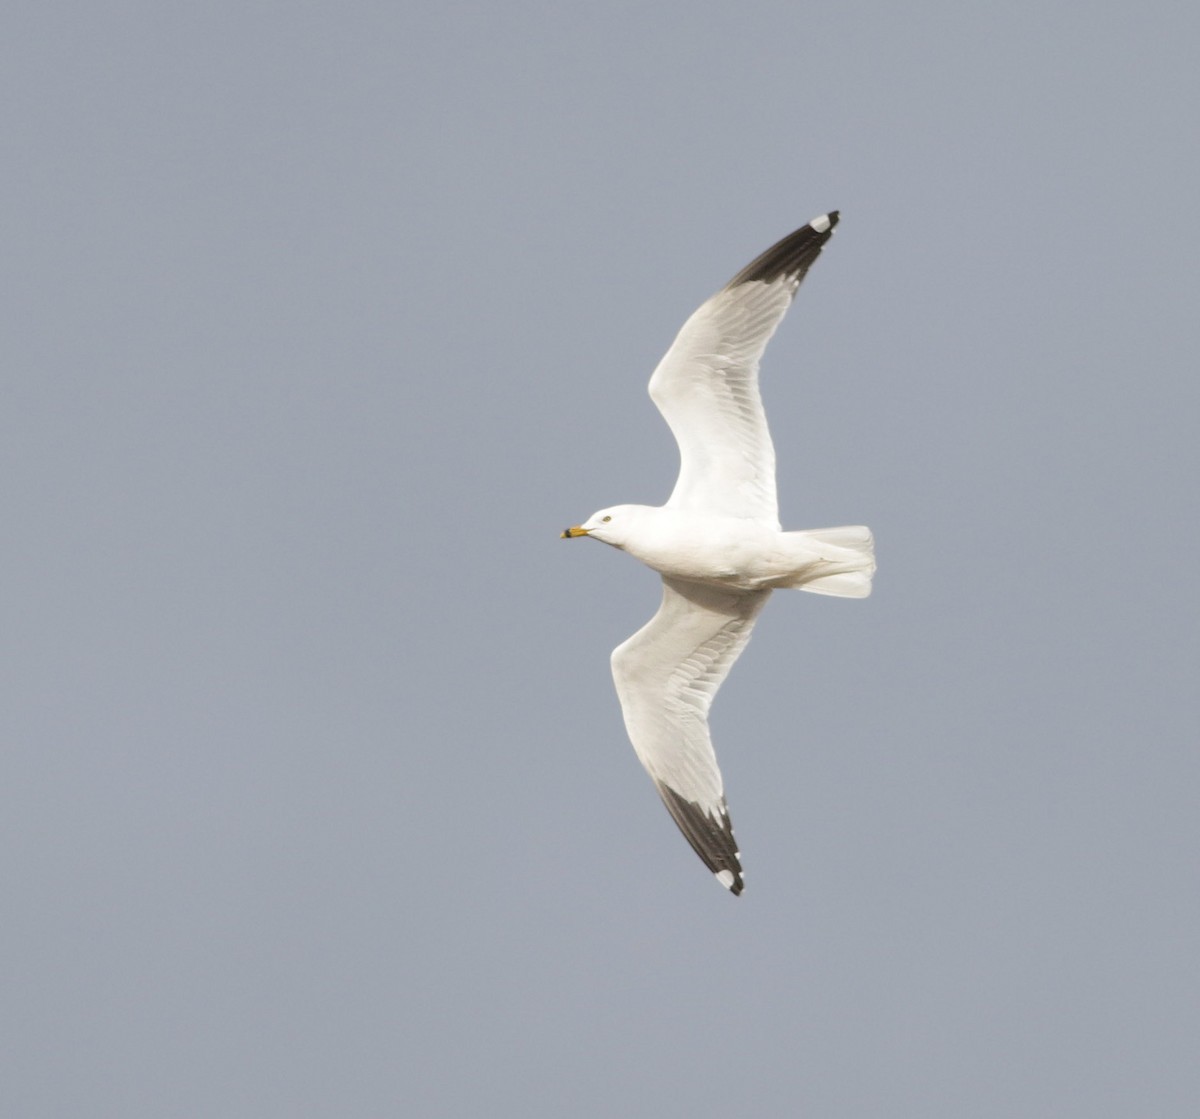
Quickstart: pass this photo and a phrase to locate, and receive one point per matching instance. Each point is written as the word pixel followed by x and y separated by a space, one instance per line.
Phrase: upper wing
pixel 666 675
pixel 707 384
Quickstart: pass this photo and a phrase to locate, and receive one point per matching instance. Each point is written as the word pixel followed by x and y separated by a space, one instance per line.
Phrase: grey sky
pixel 323 320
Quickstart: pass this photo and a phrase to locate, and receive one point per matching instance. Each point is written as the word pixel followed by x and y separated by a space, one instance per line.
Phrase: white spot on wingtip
pixel 820 224
pixel 725 877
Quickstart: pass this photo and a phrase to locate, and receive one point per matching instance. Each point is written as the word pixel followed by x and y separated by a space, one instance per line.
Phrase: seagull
pixel 717 542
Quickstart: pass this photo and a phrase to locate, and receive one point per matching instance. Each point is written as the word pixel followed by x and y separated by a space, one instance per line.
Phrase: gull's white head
pixel 609 526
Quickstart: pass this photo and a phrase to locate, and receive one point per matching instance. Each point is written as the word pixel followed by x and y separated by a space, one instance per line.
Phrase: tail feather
pixel 847 557
pixel 849 584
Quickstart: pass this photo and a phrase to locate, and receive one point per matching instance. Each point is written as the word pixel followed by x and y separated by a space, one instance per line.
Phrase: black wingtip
pixel 711 837
pixel 793 256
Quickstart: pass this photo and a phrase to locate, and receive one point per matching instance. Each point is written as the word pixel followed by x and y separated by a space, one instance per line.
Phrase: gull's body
pixel 717 542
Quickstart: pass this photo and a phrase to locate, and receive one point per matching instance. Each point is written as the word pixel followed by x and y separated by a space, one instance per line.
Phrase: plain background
pixel 320 321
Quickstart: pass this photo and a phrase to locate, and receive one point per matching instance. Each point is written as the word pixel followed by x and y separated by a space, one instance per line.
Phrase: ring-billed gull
pixel 717 542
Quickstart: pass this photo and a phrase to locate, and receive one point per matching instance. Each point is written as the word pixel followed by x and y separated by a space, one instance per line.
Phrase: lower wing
pixel 667 675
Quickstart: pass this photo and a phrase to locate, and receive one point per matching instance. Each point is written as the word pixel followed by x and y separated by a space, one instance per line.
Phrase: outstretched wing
pixel 707 384
pixel 666 675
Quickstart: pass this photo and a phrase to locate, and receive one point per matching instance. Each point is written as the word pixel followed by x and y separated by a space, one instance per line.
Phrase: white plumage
pixel 717 542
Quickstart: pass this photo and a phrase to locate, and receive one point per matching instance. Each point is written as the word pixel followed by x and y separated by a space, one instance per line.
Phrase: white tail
pixel 847 554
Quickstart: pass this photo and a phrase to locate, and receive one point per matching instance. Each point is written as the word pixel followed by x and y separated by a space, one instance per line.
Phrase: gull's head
pixel 609 526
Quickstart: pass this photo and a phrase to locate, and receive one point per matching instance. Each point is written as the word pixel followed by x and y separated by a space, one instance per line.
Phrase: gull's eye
pixel 606 519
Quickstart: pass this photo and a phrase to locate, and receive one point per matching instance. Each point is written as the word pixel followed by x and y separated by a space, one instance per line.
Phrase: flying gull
pixel 717 542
